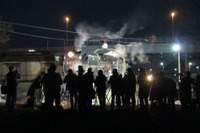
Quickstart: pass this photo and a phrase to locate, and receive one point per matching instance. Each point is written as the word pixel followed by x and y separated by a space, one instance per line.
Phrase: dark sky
pixel 145 17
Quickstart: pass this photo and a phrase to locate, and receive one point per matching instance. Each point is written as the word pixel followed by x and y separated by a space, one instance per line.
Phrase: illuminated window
pixel 57 58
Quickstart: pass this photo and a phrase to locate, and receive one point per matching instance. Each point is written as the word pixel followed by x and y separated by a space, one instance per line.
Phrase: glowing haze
pixel 133 23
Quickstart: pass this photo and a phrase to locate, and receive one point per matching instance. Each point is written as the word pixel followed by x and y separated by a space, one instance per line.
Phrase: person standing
pixel 143 89
pixel 81 84
pixel 186 90
pixel 100 83
pixel 89 78
pixel 11 78
pixel 197 90
pixel 130 88
pixel 52 82
pixel 114 81
pixel 70 79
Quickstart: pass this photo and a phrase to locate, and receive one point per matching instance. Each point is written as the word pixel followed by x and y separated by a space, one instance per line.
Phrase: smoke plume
pixel 135 49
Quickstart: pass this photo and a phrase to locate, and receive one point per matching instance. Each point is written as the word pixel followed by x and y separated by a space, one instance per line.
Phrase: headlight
pixel 149 78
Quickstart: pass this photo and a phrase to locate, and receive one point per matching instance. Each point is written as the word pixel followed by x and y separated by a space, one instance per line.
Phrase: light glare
pixel 176 47
pixel 149 77
pixel 105 46
pixel 70 54
pixel 67 19
pixel 173 14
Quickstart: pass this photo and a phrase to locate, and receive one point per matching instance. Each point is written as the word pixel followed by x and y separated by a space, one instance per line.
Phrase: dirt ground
pixel 28 120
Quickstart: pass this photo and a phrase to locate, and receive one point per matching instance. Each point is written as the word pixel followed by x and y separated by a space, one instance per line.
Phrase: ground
pixel 28 120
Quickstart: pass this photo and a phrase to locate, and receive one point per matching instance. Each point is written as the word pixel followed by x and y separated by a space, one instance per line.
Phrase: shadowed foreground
pixel 27 120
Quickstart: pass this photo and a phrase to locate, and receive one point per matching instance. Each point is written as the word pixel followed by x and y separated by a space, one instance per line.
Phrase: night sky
pixel 145 17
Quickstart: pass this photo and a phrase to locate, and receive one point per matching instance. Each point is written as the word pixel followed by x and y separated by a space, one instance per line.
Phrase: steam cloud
pixel 135 22
pixel 85 32
pixel 137 52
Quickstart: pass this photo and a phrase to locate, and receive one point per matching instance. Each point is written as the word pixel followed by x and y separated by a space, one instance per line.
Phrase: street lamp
pixel 67 21
pixel 173 35
pixel 190 64
pixel 162 64
pixel 197 67
pixel 177 49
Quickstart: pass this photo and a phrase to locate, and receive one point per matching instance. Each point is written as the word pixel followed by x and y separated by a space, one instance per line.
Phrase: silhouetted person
pixel 81 84
pixel 181 90
pixel 115 86
pixel 100 83
pixel 52 82
pixel 171 92
pixel 185 90
pixel 11 78
pixel 70 79
pixel 162 90
pixel 90 90
pixel 197 90
pixel 121 90
pixel 154 93
pixel 130 88
pixel 31 92
pixel 143 89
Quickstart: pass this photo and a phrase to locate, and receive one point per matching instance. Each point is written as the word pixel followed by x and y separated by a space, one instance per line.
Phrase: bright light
pixel 161 63
pixel 175 69
pixel 197 67
pixel 190 63
pixel 105 46
pixel 67 19
pixel 173 14
pixel 70 54
pixel 176 47
pixel 31 50
pixel 149 77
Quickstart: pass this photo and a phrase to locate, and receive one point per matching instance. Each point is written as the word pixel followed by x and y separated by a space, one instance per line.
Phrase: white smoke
pixel 119 51
pixel 135 49
pixel 85 32
pixel 137 52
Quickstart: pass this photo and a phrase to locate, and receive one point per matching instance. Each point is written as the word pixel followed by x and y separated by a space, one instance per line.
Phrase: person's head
pixel 70 71
pixel 89 70
pixel 129 70
pixel 11 68
pixel 100 72
pixel 80 70
pixel 115 72
pixel 52 68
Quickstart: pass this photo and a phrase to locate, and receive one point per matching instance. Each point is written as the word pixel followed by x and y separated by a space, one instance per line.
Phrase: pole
pixel 179 65
pixel 173 35
pixel 189 67
pixel 67 33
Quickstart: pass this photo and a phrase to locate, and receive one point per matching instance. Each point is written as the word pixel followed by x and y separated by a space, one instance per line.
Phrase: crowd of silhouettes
pixel 161 91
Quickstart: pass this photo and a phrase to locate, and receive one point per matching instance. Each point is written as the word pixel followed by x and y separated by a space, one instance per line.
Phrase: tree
pixel 4 37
